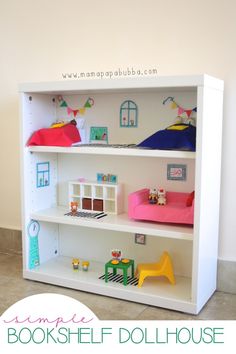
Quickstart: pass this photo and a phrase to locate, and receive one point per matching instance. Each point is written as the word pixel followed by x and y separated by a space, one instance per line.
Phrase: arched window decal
pixel 128 114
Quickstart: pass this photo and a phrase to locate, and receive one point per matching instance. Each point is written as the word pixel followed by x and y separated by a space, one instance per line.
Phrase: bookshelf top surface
pixel 186 82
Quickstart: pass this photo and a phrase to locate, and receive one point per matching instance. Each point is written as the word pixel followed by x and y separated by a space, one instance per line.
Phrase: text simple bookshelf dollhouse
pixel 50 176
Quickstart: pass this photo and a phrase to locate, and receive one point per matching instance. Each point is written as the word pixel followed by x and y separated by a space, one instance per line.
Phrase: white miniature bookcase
pixel 96 196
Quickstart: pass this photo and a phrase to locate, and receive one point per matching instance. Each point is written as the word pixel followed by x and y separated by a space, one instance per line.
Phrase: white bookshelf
pixel 62 237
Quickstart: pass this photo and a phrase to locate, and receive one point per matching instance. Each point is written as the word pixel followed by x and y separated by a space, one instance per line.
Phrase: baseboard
pixel 226 276
pixel 10 243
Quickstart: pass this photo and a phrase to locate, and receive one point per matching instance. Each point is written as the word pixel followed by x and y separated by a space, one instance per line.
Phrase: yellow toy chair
pixel 162 268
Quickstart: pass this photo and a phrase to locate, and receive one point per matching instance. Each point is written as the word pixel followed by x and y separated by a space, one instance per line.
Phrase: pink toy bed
pixel 179 208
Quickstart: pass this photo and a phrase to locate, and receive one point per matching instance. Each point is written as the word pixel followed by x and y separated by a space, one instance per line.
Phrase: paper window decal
pixel 128 114
pixel 43 174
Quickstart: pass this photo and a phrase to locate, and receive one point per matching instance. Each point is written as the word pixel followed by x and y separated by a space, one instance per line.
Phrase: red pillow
pixel 189 200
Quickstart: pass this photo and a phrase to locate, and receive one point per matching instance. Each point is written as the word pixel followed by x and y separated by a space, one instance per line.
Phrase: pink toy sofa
pixel 178 208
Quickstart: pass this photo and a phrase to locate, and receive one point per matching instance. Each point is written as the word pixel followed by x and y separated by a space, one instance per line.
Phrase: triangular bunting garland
pixel 181 110
pixel 88 104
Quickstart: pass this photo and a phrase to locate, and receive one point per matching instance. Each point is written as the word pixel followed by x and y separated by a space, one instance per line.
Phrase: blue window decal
pixel 43 174
pixel 128 114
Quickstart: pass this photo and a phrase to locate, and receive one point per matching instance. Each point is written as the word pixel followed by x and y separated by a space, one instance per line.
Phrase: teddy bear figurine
pixel 161 196
pixel 152 196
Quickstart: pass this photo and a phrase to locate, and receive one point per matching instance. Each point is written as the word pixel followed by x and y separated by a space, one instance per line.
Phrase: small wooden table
pixel 123 264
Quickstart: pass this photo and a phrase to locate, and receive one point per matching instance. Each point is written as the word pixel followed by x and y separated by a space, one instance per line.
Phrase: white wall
pixel 40 40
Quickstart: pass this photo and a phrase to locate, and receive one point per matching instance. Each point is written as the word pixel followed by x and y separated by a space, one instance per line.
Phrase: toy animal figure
pixel 152 196
pixel 178 120
pixel 85 265
pixel 191 121
pixel 161 196
pixel 73 207
pixel 75 263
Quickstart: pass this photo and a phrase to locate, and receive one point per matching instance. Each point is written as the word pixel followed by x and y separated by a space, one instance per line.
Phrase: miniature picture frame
pixel 176 172
pixel 101 177
pixel 140 239
pixel 98 135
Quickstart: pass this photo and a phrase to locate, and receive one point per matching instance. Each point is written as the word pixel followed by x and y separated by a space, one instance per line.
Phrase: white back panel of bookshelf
pixel 133 172
pixel 74 242
pixel 152 114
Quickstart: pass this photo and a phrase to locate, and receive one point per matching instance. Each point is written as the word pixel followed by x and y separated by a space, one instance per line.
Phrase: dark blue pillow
pixel 171 139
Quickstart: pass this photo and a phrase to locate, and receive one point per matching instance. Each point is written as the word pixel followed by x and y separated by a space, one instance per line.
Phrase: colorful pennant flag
pixel 69 110
pixel 75 112
pixel 88 104
pixel 181 110
pixel 82 110
pixel 173 105
pixel 63 104
pixel 188 112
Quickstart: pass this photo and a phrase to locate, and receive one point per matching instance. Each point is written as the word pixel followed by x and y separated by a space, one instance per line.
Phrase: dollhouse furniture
pixel 97 196
pixel 172 138
pixel 61 236
pixel 162 268
pixel 62 136
pixel 123 264
pixel 176 209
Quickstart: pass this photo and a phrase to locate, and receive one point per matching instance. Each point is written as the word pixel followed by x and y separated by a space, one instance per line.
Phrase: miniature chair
pixel 162 268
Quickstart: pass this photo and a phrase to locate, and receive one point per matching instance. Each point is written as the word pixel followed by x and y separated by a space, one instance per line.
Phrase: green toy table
pixel 123 266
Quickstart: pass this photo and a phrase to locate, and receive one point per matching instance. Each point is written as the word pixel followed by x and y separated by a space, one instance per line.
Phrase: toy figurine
pixel 152 196
pixel 74 207
pixel 161 196
pixel 62 123
pixel 85 265
pixel 116 254
pixel 178 120
pixel 75 263
pixel 58 124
